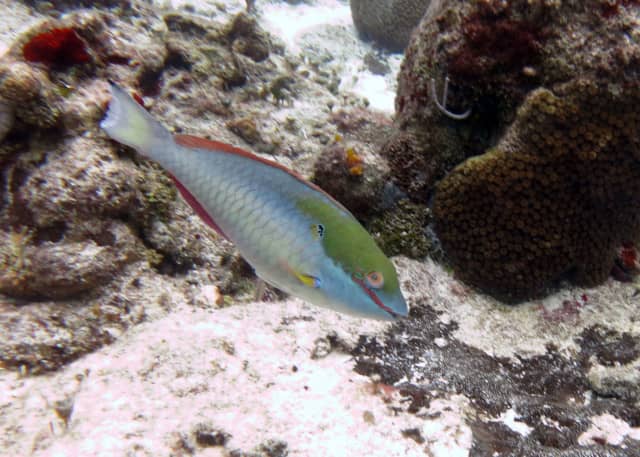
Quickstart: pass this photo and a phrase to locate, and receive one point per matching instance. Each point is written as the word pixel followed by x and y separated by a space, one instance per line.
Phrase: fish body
pixel 293 234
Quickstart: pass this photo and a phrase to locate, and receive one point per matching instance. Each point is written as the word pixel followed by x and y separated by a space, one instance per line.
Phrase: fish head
pixel 372 291
pixel 363 281
pixel 357 277
pixel 376 290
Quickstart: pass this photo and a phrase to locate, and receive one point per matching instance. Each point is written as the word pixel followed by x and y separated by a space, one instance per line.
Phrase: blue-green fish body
pixel 295 236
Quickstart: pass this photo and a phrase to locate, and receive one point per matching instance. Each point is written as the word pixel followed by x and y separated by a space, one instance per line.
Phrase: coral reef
pixel 387 22
pixel 402 230
pixel 93 241
pixel 82 218
pixel 555 198
pixel 544 128
pixel 358 186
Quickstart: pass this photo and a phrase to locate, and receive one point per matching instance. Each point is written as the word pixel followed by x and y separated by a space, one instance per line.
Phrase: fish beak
pixel 397 306
pixel 394 306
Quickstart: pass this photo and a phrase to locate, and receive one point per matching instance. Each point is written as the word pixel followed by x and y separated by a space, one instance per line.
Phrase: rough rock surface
pixel 144 344
pixel 387 22
pixel 463 376
pixel 499 58
pixel 78 212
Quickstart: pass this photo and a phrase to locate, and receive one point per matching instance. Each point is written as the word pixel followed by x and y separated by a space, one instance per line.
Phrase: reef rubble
pixel 127 328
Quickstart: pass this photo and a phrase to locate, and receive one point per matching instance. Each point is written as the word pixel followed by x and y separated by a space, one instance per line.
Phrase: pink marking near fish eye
pixel 197 207
pixel 373 296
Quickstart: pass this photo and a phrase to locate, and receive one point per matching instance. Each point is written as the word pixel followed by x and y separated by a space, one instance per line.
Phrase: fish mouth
pixel 377 300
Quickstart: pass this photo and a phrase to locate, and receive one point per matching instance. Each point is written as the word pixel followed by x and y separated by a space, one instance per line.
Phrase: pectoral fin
pixel 308 280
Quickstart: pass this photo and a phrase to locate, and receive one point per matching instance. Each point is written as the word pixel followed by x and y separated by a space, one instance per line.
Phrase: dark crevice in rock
pixel 547 391
pixel 608 346
pixel 170 266
pixel 52 233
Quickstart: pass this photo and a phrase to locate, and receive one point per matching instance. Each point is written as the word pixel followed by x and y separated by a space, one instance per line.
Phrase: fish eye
pixel 375 279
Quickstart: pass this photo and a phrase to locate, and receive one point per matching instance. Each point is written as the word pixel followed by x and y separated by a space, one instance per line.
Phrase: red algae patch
pixel 60 47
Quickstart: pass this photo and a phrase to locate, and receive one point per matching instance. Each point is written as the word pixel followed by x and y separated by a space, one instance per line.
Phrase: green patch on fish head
pixel 349 245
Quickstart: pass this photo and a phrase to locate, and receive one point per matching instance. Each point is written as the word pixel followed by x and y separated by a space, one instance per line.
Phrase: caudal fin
pixel 129 123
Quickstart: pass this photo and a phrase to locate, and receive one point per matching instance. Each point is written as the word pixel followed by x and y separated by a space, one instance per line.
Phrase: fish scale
pixel 271 214
pixel 231 202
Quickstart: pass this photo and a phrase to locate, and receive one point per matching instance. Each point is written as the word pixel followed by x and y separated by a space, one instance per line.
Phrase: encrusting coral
pixel 343 172
pixel 555 198
pixel 538 98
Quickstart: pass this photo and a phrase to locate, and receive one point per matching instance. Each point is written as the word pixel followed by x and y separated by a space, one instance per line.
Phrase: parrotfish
pixel 295 236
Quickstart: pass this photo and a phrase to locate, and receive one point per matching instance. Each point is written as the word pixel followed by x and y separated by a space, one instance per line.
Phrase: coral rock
pixel 555 198
pixel 359 192
pixel 30 92
pixel 387 22
pixel 61 270
pixel 550 136
pixel 248 38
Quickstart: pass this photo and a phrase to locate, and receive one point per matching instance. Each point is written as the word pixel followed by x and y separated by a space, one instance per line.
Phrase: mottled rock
pixel 84 178
pixel 30 93
pixel 358 186
pixel 387 22
pixel 206 435
pixel 248 38
pixel 63 5
pixel 56 270
pixel 368 126
pixel 42 336
pixel 402 230
pixel 7 117
pixel 246 129
pixel 550 393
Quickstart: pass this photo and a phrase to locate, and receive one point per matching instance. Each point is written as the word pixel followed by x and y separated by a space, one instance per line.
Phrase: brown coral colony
pixel 555 199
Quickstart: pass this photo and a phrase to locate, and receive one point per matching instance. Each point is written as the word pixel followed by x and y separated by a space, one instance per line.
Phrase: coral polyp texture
pixel 539 182
pixel 556 197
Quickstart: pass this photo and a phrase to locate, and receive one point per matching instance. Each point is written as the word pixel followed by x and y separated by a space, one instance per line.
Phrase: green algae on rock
pixel 402 230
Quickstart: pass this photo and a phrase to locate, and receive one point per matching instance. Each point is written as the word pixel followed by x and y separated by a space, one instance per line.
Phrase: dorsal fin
pixel 190 141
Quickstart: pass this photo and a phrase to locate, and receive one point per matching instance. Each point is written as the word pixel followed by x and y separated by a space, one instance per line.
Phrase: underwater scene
pixel 308 228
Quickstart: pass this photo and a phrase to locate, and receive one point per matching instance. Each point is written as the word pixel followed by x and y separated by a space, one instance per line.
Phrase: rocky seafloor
pixel 126 328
